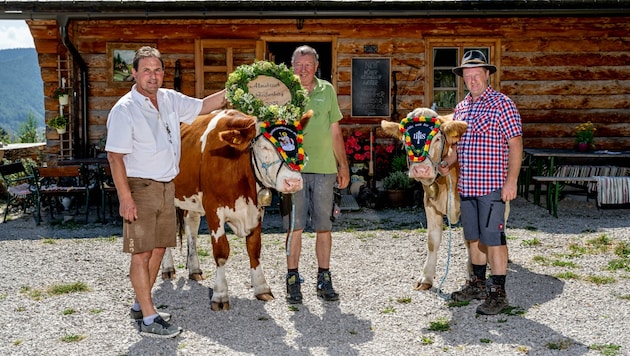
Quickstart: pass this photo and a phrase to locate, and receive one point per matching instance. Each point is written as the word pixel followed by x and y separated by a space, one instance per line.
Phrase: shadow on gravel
pixel 526 290
pixel 248 327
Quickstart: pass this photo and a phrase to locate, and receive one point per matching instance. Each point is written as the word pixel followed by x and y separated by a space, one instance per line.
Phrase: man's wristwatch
pixel 443 164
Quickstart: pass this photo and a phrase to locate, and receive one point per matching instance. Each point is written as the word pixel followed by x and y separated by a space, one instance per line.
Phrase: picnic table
pixel 606 172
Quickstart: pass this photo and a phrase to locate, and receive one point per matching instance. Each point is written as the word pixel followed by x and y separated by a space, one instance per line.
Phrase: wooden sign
pixel 370 87
pixel 270 90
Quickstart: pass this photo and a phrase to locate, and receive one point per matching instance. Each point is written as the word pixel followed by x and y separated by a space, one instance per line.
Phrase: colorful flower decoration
pixel 287 138
pixel 418 133
pixel 237 92
pixel 280 124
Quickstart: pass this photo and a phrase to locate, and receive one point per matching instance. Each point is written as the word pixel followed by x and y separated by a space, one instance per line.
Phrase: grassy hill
pixel 21 89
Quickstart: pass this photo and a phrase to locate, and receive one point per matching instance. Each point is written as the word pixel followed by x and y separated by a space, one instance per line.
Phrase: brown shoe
pixel 475 288
pixel 495 302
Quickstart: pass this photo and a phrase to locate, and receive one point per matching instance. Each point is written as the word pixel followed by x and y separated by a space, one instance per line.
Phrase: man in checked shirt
pixel 489 155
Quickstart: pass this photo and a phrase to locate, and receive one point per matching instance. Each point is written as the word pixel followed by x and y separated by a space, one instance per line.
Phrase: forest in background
pixel 21 90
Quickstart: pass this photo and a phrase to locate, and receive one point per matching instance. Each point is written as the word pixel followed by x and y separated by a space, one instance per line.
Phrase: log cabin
pixel 562 62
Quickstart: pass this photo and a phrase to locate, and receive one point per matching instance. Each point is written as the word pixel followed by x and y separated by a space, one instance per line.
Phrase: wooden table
pixel 544 162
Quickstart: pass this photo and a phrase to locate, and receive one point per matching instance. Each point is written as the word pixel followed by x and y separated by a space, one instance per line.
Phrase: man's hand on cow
pixel 443 168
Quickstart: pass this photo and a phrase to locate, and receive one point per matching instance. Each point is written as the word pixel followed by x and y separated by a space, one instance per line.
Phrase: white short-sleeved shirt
pixel 148 138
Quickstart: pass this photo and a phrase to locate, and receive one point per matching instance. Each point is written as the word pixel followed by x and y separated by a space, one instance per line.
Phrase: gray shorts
pixel 314 203
pixel 483 219
pixel 156 224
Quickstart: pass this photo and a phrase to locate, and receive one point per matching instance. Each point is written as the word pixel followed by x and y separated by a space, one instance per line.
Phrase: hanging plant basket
pixel 63 99
pixel 61 130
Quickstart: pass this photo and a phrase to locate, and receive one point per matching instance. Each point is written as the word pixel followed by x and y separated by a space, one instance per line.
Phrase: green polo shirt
pixel 317 142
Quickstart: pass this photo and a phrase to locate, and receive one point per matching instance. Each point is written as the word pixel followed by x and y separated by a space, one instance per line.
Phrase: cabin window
pixel 444 88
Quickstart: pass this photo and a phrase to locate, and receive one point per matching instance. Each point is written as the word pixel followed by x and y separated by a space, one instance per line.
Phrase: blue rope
pixel 450 237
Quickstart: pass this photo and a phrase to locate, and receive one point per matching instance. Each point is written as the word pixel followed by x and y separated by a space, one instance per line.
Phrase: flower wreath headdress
pixel 418 133
pixel 280 124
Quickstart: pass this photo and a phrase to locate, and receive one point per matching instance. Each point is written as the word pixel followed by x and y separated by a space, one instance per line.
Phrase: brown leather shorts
pixel 156 222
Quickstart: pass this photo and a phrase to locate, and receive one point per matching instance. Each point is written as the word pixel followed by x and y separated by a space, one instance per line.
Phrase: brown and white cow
pixel 220 153
pixel 440 192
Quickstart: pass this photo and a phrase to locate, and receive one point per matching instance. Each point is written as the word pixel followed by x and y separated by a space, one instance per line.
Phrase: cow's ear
pixel 453 130
pixel 392 129
pixel 305 118
pixel 236 138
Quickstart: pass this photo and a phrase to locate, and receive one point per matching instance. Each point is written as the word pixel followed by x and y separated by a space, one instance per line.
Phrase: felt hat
pixel 471 59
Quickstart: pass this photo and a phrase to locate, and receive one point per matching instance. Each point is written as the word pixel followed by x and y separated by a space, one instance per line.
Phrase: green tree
pixel 27 132
pixel 4 136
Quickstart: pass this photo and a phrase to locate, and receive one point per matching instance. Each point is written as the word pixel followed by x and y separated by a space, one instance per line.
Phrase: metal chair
pixel 21 188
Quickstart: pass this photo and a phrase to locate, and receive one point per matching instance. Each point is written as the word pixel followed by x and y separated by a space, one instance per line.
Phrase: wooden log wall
pixel 560 71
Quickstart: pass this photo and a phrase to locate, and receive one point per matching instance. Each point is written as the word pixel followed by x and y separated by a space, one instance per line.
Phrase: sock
pixel 320 270
pixel 480 271
pixel 136 306
pixel 148 320
pixel 292 270
pixel 499 280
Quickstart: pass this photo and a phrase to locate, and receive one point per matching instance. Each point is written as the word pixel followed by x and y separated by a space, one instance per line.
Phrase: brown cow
pixel 223 157
pixel 440 192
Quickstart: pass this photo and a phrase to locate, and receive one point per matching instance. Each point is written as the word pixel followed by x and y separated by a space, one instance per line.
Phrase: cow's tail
pixel 180 225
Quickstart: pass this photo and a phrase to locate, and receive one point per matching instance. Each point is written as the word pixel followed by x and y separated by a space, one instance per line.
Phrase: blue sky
pixel 15 34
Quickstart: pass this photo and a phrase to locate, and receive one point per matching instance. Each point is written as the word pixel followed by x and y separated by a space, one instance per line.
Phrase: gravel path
pixel 377 257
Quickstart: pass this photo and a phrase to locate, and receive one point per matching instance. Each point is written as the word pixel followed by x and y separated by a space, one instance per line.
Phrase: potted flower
pixel 396 186
pixel 59 123
pixel 60 93
pixel 584 136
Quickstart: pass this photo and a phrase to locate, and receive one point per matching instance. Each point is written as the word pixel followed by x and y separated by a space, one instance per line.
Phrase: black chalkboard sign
pixel 370 87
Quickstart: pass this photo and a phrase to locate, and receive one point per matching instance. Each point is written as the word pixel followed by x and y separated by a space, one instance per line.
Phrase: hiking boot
pixel 325 288
pixel 137 315
pixel 495 302
pixel 294 290
pixel 475 288
pixel 160 328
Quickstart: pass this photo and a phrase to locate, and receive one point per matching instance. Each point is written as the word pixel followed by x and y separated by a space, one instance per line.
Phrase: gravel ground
pixel 377 257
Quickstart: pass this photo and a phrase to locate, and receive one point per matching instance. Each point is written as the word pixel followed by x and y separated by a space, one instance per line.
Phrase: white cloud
pixel 15 34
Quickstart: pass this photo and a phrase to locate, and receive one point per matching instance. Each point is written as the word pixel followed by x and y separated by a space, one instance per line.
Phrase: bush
pixel 397 181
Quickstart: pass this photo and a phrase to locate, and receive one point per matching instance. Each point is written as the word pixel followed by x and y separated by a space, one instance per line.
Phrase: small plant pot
pixel 582 147
pixel 61 130
pixel 63 99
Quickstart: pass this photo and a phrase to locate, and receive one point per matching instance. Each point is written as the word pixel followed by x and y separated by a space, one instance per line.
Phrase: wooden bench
pixel 63 181
pixel 553 189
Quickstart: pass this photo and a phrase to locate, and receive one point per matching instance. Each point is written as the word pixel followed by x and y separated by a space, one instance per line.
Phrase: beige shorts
pixel 156 223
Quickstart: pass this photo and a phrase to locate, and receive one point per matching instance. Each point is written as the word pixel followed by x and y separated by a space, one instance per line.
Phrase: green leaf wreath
pixel 238 94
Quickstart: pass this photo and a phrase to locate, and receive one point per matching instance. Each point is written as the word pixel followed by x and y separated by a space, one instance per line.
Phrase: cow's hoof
pixel 422 286
pixel 216 306
pixel 167 276
pixel 196 276
pixel 265 297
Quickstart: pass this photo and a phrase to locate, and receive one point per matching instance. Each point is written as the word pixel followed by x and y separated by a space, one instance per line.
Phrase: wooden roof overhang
pixel 198 9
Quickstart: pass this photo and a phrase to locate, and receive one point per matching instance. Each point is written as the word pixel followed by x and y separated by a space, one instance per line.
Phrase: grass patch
pixel 426 340
pixel 17 342
pixel 441 324
pixel 533 242
pixel 455 304
pixel 600 244
pixel 404 300
pixel 599 280
pixel 623 250
pixel 607 349
pixel 545 261
pixel 567 275
pixel 76 287
pixel 485 341
pixel 69 311
pixel 559 345
pixel 389 310
pixel 293 308
pixel 513 310
pixel 625 297
pixel 618 264
pixel 577 250
pixel 96 310
pixel 531 228
pixel 49 241
pixel 201 252
pixel 73 338
pixel 558 263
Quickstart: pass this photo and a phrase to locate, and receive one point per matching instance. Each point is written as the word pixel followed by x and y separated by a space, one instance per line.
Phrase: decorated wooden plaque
pixel 270 90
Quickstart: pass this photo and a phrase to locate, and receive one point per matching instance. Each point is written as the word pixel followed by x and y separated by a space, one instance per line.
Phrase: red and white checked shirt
pixel 482 151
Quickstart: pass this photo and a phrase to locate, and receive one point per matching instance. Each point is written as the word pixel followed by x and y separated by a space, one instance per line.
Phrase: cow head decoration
pixel 278 157
pixel 427 138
